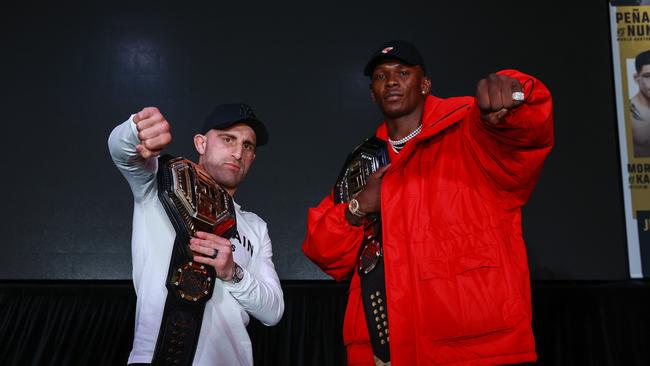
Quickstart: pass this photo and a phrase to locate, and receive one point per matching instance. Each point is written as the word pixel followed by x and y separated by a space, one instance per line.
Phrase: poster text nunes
pixel 632 24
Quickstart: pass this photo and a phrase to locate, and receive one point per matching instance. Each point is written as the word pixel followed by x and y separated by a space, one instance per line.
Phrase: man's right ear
pixel 199 143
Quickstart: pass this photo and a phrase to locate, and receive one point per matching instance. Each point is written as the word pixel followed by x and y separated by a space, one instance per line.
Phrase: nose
pixel 392 80
pixel 237 151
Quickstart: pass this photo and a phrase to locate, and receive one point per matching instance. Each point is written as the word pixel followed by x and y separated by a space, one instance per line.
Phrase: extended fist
pixel 496 95
pixel 153 132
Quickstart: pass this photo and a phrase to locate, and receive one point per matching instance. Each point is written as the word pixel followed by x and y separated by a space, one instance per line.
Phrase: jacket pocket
pixel 463 295
pixel 452 266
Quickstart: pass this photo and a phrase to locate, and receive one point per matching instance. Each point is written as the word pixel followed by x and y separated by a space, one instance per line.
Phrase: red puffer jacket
pixel 457 280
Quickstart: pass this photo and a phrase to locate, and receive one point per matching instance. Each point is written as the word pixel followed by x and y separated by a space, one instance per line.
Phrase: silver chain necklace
pixel 397 145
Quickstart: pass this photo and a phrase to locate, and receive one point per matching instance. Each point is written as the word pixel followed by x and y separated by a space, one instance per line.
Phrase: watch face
pixel 354 205
pixel 238 274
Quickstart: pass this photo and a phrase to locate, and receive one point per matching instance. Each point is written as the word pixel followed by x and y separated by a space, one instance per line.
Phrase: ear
pixel 199 143
pixel 426 85
pixel 372 95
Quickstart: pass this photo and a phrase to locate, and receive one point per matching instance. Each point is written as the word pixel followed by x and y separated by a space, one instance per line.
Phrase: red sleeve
pixel 512 153
pixel 331 242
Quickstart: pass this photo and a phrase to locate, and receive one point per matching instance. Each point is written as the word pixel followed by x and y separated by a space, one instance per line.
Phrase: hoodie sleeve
pixel 259 291
pixel 140 173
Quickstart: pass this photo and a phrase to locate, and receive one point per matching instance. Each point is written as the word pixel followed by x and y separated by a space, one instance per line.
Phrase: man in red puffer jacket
pixel 457 287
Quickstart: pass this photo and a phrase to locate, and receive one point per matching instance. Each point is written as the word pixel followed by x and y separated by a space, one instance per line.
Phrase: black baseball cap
pixel 226 115
pixel 400 50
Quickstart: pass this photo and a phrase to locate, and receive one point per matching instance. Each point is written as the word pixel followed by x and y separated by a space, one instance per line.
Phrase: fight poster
pixel 630 29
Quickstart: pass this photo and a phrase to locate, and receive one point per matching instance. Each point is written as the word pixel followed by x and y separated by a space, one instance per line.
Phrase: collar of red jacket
pixel 438 114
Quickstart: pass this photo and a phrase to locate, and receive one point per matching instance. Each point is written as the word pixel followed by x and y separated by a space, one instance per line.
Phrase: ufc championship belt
pixel 193 202
pixel 371 155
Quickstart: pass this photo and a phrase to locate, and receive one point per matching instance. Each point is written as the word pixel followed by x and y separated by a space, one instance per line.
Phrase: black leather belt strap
pixel 373 297
pixel 180 326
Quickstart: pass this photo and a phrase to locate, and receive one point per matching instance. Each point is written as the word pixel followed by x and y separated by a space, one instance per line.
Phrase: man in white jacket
pixel 247 283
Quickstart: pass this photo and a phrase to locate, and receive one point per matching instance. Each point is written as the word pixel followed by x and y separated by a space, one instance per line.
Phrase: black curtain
pixel 74 323
pixel 592 323
pixel 91 323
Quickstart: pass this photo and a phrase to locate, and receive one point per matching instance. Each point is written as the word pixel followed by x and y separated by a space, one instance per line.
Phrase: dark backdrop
pixel 71 72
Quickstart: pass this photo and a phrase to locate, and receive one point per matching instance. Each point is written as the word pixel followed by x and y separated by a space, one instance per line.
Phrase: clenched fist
pixel 494 95
pixel 153 131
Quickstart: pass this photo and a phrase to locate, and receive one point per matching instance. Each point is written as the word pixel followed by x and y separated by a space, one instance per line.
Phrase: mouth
pixel 233 166
pixel 393 96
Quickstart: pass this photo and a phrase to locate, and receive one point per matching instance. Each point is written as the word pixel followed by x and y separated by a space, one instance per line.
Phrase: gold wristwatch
pixel 353 206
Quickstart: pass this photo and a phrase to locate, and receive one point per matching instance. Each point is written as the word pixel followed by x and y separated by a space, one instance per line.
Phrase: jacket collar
pixel 438 114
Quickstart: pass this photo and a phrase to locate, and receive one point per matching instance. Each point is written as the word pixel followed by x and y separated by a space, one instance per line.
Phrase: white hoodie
pixel 223 339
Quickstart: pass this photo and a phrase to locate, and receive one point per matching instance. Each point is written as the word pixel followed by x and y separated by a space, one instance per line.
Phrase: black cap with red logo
pixel 399 50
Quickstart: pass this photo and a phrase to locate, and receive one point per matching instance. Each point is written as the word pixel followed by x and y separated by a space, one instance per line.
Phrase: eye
pixel 227 139
pixel 379 77
pixel 249 147
pixel 403 73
